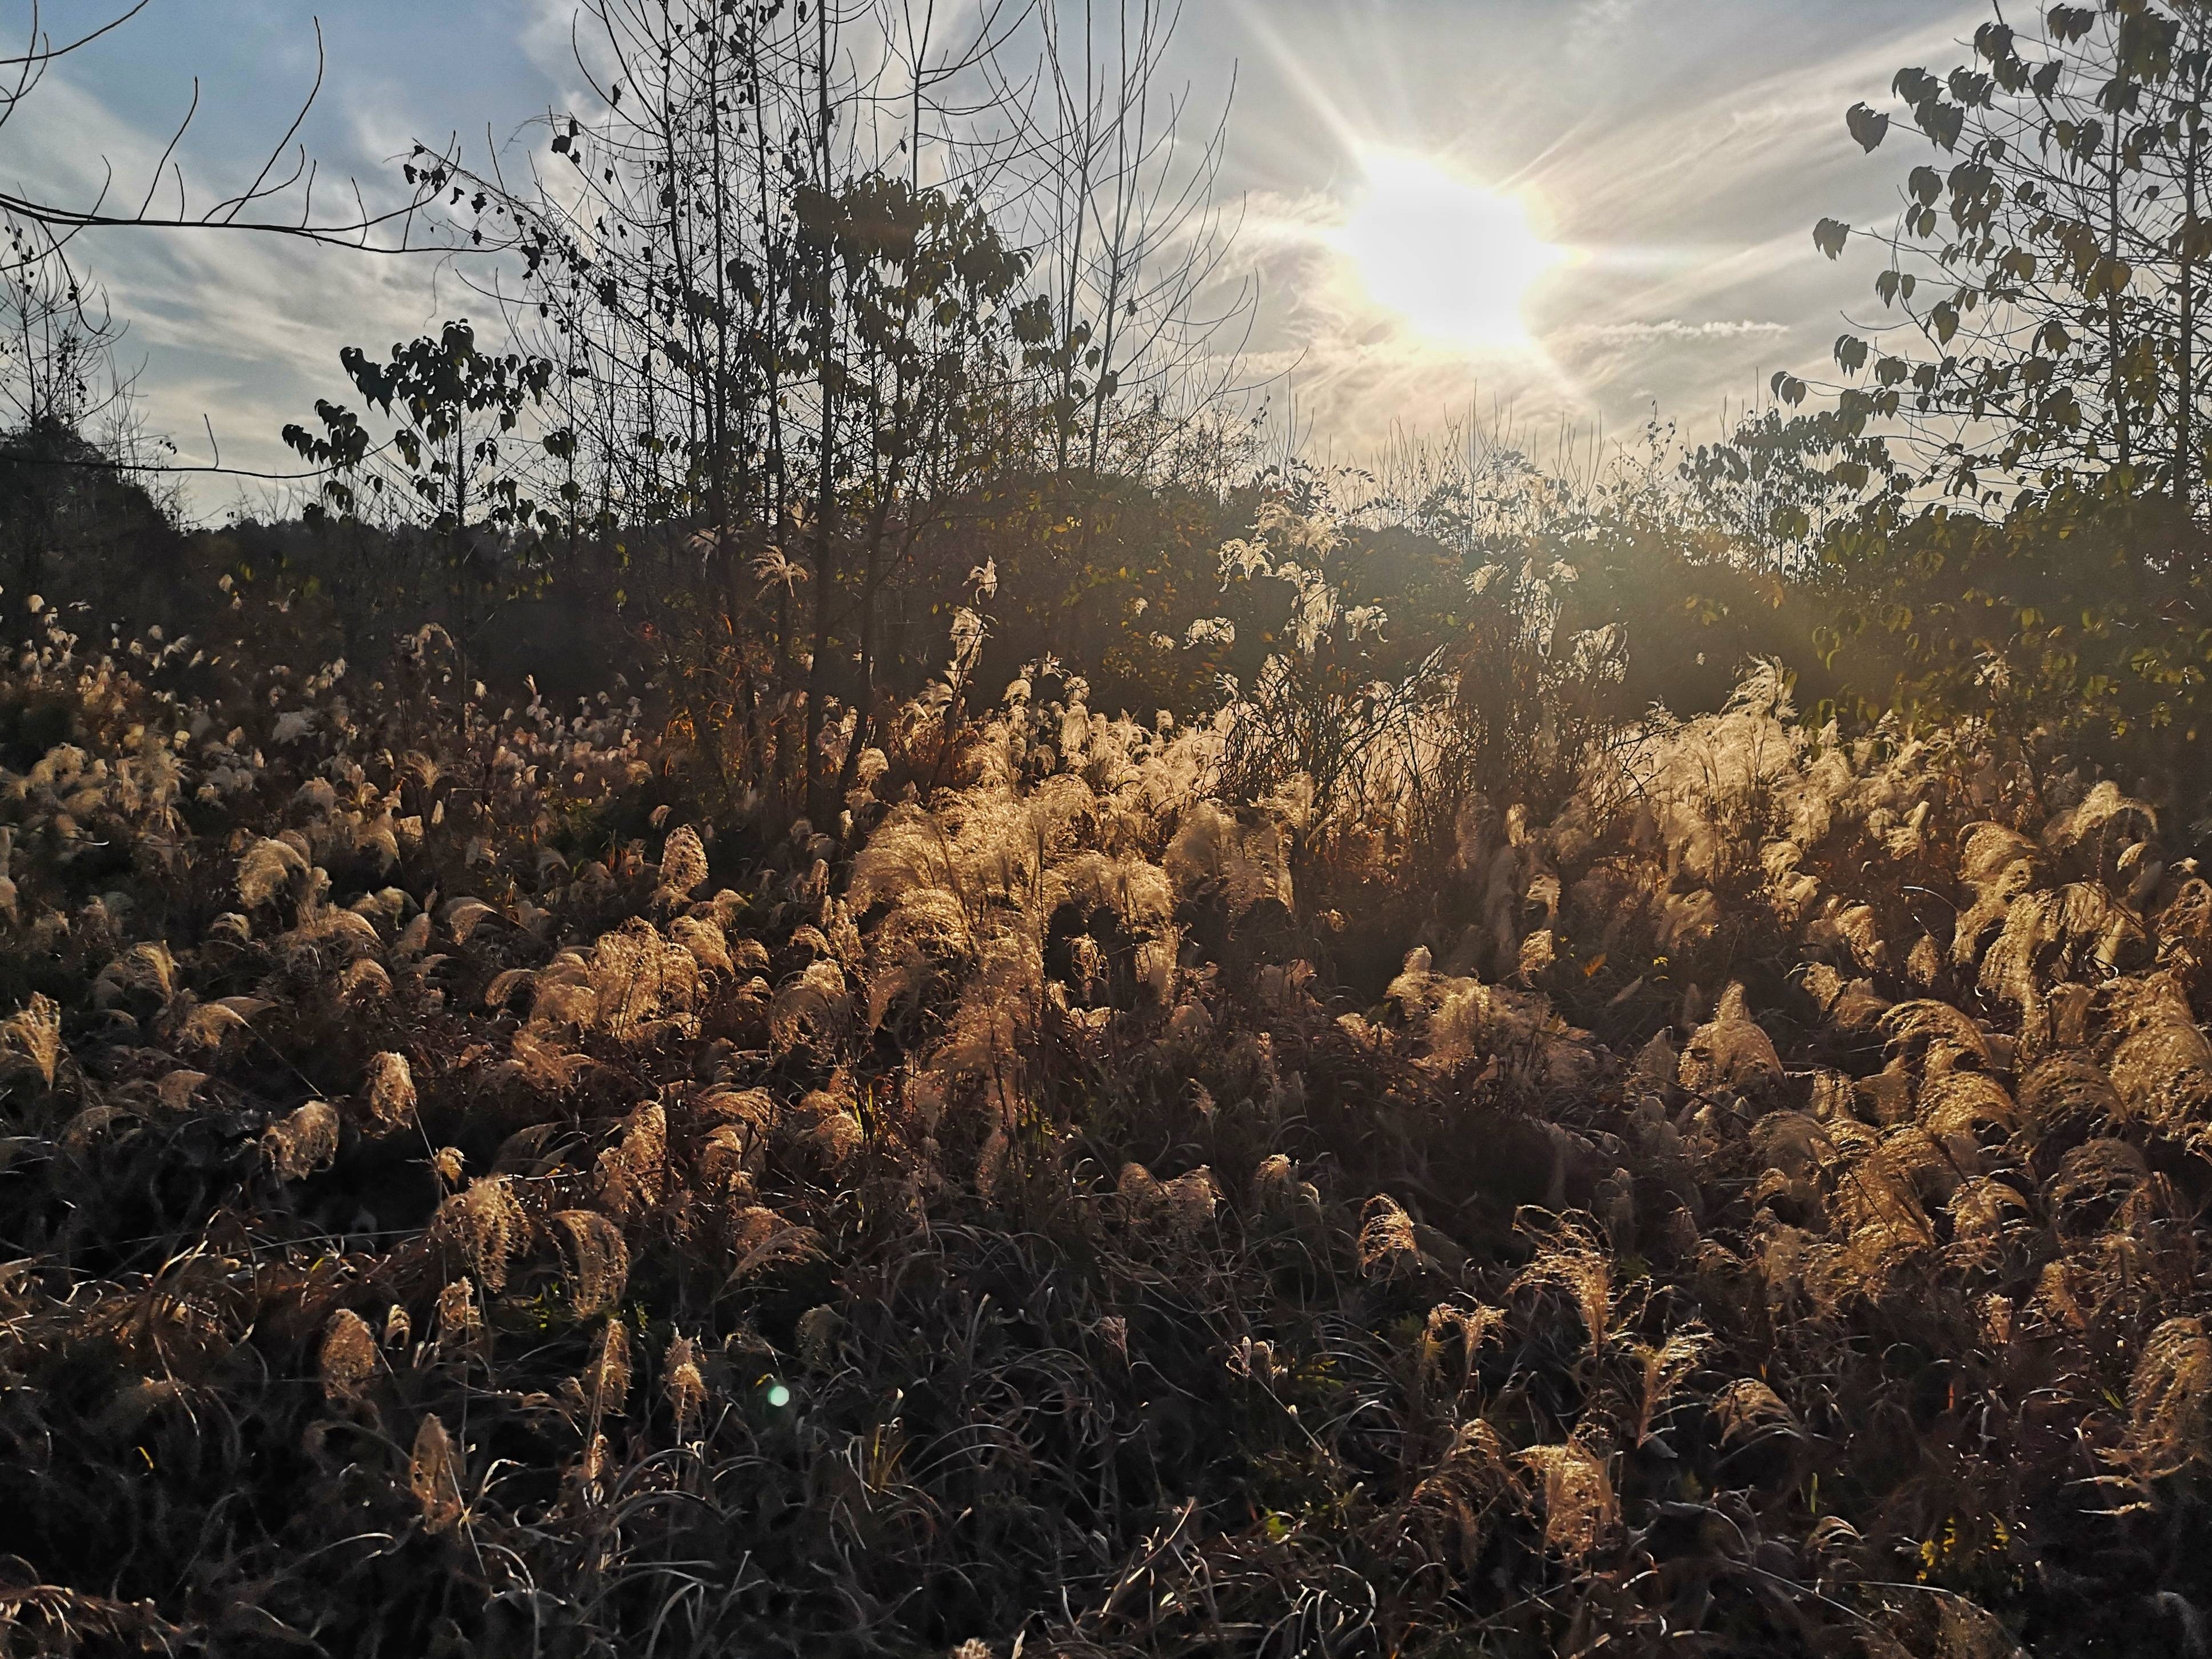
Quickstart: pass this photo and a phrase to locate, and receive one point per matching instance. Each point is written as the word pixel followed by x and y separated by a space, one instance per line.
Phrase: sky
pixel 1671 155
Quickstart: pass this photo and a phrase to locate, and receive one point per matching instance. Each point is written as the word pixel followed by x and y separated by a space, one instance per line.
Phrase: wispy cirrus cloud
pixel 1682 153
pixel 1683 158
pixel 1669 329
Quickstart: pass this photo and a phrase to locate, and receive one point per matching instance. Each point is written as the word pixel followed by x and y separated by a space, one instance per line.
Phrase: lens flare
pixel 1455 261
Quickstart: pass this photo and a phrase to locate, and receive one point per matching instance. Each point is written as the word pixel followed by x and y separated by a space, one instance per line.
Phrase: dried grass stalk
pixel 434 1478
pixel 348 1359
pixel 1576 1493
pixel 1571 1259
pixel 1387 1244
pixel 606 1381
pixel 302 1143
pixel 1730 1052
pixel 460 1322
pixel 682 1383
pixel 1747 1405
pixel 487 1225
pixel 2169 1426
pixel 1471 1487
pixel 1665 1368
pixel 264 870
pixel 816 1334
pixel 390 1091
pixel 595 1257
pixel 35 1032
pixel 682 864
pixel 631 1173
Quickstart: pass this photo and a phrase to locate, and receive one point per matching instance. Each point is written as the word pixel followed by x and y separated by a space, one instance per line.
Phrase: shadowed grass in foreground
pixel 457 1205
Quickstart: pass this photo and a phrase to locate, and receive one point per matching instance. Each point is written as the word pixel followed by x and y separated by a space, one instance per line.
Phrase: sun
pixel 1455 260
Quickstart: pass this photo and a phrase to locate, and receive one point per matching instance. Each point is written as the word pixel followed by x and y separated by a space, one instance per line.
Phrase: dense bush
pixel 2072 624
pixel 63 502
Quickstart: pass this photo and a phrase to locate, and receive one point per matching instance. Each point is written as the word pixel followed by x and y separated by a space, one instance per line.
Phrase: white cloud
pixel 1669 329
pixel 229 332
pixel 1683 154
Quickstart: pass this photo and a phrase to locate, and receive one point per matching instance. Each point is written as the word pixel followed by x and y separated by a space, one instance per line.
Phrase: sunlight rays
pixel 1454 260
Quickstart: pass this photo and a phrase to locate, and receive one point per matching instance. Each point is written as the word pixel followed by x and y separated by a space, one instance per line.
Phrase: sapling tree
pixel 2047 274
pixel 454 459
